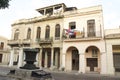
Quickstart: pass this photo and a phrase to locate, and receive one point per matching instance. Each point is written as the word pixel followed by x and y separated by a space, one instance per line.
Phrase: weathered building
pixel 4 51
pixel 68 39
pixel 112 43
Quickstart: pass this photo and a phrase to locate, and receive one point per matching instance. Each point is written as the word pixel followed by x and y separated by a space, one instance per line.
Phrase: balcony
pixel 26 41
pixel 84 36
pixel 5 50
pixel 14 42
pixel 45 41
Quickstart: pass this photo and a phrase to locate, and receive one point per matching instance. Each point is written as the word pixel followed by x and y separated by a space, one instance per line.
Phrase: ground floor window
pixel 92 62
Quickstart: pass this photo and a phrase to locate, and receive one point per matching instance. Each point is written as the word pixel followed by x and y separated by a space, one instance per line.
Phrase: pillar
pixel 110 64
pixel 52 54
pixel 11 57
pixel 103 63
pixel 82 63
pixel 63 61
pixel 60 59
pixel 56 59
pixel 20 61
pixel 40 58
pixel 44 11
pixel 46 59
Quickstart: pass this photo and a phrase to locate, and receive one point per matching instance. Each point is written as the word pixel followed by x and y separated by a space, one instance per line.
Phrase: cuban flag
pixel 70 32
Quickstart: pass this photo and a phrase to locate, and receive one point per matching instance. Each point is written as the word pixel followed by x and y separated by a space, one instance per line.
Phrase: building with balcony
pixel 4 51
pixel 68 38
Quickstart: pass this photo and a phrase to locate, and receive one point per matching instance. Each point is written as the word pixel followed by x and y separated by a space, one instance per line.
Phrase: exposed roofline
pixel 50 6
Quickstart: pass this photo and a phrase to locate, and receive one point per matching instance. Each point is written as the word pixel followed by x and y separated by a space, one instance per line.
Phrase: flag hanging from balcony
pixel 70 32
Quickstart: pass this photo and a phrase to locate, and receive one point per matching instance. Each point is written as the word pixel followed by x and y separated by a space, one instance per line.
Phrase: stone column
pixel 82 63
pixel 60 59
pixel 52 54
pixel 103 63
pixel 110 63
pixel 40 58
pixel 11 57
pixel 56 59
pixel 63 61
pixel 20 61
pixel 46 59
pixel 44 11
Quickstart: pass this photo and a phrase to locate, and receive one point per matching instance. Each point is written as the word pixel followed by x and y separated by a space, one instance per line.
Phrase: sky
pixel 20 9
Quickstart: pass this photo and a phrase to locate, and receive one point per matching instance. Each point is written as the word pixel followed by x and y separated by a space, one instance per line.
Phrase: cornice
pixel 37 19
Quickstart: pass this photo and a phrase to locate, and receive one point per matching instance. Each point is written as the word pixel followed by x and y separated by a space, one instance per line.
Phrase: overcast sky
pixel 19 9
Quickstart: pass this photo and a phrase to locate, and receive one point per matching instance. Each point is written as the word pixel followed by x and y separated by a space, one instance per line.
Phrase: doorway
pixel 0 58
pixel 75 60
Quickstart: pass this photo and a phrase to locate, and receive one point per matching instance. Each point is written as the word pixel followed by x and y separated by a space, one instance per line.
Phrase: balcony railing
pixel 84 36
pixel 44 40
pixel 5 50
pixel 14 42
pixel 19 42
pixel 26 41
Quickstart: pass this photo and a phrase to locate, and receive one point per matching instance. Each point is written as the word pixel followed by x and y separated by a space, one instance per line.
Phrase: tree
pixel 4 4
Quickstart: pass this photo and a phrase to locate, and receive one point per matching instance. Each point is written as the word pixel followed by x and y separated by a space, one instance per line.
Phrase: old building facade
pixel 68 38
pixel 4 51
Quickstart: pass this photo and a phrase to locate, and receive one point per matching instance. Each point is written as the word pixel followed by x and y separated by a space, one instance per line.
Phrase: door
pixel 0 58
pixel 116 59
pixel 92 63
pixel 75 60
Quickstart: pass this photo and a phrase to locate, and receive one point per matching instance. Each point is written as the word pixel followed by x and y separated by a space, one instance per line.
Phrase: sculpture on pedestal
pixel 30 58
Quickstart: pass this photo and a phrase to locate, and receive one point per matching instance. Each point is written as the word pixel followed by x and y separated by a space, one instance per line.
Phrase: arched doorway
pixel 72 58
pixel 92 56
pixel 75 60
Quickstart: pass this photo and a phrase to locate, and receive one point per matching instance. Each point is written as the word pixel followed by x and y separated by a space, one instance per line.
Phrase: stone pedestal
pixel 30 58
pixel 23 74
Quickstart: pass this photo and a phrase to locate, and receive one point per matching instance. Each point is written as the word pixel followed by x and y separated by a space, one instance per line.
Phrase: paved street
pixel 66 76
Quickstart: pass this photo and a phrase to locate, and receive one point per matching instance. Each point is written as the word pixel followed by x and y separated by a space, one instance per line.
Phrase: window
pixel 47 34
pixel 94 53
pixel 57 31
pixel 2 45
pixel 29 33
pixel 72 25
pixel 91 27
pixel 16 34
pixel 38 33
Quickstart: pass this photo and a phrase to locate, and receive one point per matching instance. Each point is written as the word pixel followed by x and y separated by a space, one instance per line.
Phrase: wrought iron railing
pixel 45 40
pixel 82 35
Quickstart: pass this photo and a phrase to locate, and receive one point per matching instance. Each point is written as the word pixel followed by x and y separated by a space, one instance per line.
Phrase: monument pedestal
pixel 29 71
pixel 24 74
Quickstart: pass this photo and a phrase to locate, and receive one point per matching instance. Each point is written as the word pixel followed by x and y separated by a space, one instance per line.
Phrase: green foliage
pixel 4 4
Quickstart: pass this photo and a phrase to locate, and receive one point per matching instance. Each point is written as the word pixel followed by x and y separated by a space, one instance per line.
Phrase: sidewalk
pixel 83 74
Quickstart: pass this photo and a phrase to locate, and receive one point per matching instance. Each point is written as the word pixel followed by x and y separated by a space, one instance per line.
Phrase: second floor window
pixel 2 45
pixel 91 27
pixel 57 31
pixel 29 34
pixel 47 33
pixel 16 34
pixel 38 33
pixel 72 26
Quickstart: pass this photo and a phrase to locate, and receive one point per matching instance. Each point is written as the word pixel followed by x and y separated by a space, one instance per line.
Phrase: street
pixel 68 76
pixel 59 75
